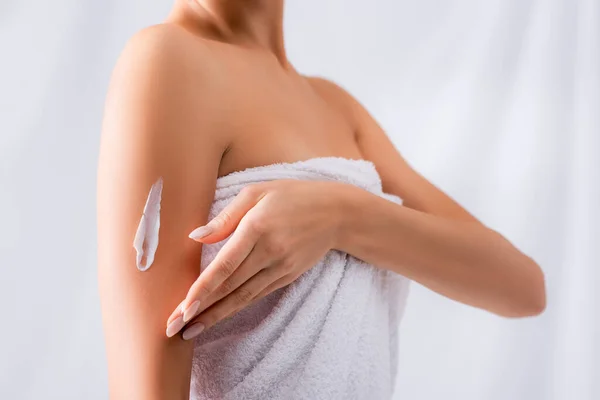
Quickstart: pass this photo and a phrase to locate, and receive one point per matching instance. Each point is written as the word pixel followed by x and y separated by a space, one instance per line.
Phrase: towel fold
pixel 331 334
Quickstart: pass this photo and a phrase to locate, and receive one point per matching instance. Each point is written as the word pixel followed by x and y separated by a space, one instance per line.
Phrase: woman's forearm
pixel 465 261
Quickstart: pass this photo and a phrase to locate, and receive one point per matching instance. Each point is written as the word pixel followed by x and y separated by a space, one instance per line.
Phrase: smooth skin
pixel 210 92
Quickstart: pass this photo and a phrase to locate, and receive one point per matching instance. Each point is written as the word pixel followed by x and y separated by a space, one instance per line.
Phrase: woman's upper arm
pixel 156 124
pixel 397 176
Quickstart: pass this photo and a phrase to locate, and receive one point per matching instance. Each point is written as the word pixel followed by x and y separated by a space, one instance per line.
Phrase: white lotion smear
pixel 146 237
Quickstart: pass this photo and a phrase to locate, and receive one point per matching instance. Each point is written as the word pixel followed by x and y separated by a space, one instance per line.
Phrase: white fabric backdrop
pixel 497 102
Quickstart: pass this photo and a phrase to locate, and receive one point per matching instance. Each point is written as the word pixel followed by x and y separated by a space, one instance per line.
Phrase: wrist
pixel 345 210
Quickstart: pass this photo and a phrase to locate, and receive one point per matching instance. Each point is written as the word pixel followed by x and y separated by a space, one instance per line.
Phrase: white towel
pixel 331 334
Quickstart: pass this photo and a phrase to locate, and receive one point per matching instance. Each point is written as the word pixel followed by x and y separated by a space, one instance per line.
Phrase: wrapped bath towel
pixel 331 334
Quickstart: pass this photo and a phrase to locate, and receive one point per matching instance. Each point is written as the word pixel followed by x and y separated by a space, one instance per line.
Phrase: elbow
pixel 535 303
pixel 530 298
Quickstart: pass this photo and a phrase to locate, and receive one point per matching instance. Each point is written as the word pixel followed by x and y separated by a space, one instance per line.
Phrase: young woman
pixel 210 92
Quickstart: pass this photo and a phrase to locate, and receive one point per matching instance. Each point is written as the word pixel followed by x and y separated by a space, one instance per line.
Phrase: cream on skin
pixel 145 242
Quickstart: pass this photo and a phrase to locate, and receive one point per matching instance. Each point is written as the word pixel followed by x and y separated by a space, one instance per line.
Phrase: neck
pixel 252 23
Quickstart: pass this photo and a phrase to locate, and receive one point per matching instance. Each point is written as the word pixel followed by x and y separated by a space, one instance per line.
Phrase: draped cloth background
pixel 497 102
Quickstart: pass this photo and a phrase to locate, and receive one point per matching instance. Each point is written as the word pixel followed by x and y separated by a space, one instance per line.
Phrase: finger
pixel 236 301
pixel 253 263
pixel 227 260
pixel 256 261
pixel 278 284
pixel 178 312
pixel 221 226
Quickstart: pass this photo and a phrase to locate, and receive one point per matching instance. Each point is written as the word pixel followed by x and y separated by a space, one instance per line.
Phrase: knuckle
pixel 288 265
pixel 224 218
pixel 257 225
pixel 275 246
pixel 243 296
pixel 226 287
pixel 226 268
pixel 202 292
pixel 250 190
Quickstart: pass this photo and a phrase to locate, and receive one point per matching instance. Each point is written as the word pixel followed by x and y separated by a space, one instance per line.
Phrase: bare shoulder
pixel 341 98
pixel 335 95
pixel 165 39
pixel 325 85
pixel 163 50
pixel 365 126
pixel 162 86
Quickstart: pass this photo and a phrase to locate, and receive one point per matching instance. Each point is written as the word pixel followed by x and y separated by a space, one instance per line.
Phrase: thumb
pixel 229 218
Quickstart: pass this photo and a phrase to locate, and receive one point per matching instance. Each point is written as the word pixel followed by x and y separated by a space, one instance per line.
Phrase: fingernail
pixel 193 331
pixel 201 232
pixel 175 326
pixel 191 311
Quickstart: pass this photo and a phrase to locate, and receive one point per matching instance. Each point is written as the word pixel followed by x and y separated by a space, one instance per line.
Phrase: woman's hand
pixel 280 230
